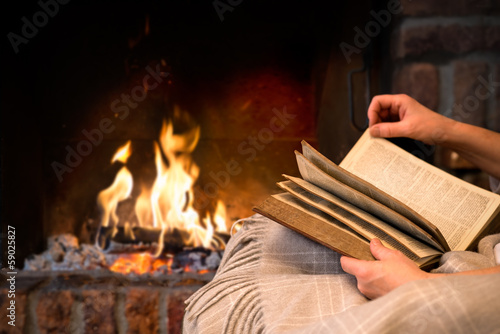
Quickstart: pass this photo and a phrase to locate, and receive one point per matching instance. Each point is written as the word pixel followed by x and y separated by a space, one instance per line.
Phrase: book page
pixel 459 209
pixel 316 176
pixel 371 191
pixel 360 221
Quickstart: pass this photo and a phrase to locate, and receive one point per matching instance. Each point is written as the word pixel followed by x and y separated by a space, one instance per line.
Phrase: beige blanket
pixel 273 280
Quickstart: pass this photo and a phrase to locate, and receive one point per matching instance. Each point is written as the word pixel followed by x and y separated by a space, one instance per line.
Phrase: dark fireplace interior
pixel 72 96
pixel 95 76
pixel 82 79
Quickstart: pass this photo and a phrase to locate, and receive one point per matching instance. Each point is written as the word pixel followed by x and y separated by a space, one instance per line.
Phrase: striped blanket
pixel 273 280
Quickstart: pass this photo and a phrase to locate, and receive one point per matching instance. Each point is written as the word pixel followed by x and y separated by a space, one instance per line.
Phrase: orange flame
pixel 123 153
pixel 108 199
pixel 168 204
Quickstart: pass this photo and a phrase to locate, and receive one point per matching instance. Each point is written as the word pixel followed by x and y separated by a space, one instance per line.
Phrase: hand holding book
pixel 382 191
pixel 401 116
pixel 379 277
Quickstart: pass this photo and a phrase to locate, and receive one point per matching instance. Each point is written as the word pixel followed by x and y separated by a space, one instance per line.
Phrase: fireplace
pixel 237 88
pixel 254 77
pixel 94 79
pixel 98 83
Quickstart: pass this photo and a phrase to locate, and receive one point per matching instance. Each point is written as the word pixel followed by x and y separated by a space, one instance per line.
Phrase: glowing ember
pixel 140 263
pixel 168 204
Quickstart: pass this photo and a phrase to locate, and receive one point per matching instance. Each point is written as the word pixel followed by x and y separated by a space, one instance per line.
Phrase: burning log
pixel 133 239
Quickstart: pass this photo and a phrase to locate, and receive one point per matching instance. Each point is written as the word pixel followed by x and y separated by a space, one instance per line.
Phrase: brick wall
pixel 446 54
pixel 96 302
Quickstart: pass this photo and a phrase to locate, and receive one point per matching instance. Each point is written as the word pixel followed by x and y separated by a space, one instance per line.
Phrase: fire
pixel 123 153
pixel 220 217
pixel 140 263
pixel 109 198
pixel 168 204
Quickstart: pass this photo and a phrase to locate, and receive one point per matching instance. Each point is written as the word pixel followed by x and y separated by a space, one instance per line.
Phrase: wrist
pixel 447 133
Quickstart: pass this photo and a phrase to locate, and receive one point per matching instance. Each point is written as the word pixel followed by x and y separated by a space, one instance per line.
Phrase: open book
pixel 381 191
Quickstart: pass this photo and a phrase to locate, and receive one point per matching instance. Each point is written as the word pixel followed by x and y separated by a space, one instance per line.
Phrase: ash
pixel 197 259
pixel 65 253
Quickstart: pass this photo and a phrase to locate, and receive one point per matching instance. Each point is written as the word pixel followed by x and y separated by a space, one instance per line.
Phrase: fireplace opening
pixel 95 77
pixel 105 99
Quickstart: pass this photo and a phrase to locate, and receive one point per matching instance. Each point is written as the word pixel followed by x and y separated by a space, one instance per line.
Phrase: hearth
pixel 94 301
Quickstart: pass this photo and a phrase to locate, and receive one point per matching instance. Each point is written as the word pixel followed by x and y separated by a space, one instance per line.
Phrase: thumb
pixel 379 251
pixel 387 130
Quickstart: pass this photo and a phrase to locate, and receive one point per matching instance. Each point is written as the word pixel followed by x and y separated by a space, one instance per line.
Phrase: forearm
pixel 479 146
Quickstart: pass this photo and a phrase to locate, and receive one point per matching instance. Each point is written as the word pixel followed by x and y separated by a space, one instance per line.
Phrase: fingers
pixel 383 108
pixel 385 114
pixel 379 251
pixel 388 130
pixel 351 265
